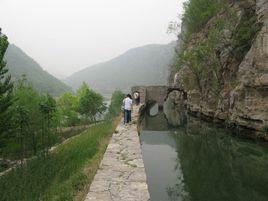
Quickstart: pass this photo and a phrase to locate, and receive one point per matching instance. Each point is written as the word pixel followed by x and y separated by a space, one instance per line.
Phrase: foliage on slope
pixel 222 61
pixel 20 64
pixel 216 41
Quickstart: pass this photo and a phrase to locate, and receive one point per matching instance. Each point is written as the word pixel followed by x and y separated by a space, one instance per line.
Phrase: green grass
pixel 12 148
pixel 63 174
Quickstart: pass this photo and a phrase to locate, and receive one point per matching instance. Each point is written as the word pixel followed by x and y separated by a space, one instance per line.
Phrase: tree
pixel 47 109
pixel 116 103
pixel 90 103
pixel 27 97
pixel 22 120
pixel 82 90
pixel 6 87
pixel 67 103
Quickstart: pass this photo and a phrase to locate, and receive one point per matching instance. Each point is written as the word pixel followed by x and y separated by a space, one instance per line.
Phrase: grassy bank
pixel 65 174
pixel 12 149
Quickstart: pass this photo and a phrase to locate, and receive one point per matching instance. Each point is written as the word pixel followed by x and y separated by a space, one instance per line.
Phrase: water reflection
pixel 162 167
pixel 198 161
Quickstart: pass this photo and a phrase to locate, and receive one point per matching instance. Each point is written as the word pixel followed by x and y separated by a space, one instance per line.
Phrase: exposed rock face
pixel 243 98
pixel 250 97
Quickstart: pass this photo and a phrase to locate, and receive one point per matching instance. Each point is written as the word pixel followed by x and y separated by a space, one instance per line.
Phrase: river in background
pixel 187 159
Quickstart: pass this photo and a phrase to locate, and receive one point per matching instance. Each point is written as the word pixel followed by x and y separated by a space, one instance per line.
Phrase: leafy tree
pixel 90 103
pixel 68 101
pixel 67 104
pixel 205 65
pixel 82 91
pixel 27 97
pixel 116 103
pixel 47 109
pixel 6 87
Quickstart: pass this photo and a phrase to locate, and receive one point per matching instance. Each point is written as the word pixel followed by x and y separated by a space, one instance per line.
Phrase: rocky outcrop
pixel 243 97
pixel 249 99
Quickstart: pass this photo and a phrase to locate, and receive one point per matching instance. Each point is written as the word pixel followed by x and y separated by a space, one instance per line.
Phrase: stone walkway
pixel 121 175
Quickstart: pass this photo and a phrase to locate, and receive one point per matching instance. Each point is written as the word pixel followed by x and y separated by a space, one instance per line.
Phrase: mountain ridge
pixel 144 65
pixel 19 63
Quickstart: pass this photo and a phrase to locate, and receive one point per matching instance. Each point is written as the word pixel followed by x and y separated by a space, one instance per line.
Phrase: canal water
pixel 187 159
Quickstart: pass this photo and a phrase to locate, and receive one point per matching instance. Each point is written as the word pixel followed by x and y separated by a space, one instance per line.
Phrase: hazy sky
pixel 65 36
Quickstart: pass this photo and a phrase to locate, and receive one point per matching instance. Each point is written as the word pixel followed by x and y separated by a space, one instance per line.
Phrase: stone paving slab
pixel 121 175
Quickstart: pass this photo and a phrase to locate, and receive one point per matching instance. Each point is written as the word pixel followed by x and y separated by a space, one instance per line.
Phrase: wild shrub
pixel 90 102
pixel 227 33
pixel 198 12
pixel 116 103
pixel 245 33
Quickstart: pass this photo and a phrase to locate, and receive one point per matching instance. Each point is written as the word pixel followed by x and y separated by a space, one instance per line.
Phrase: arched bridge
pixel 156 94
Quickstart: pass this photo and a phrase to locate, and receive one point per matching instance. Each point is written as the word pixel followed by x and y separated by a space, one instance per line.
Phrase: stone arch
pixel 176 89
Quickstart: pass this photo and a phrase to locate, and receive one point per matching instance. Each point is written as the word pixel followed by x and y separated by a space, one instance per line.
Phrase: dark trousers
pixel 127 116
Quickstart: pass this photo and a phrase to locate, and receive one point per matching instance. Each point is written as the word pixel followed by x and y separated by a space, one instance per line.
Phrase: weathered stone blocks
pixel 121 175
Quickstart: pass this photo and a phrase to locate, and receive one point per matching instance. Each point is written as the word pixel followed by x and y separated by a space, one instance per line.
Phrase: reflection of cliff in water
pixel 175 112
pixel 155 123
pixel 211 164
pixel 157 118
pixel 219 167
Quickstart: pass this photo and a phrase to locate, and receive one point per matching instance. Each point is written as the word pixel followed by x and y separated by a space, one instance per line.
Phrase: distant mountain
pixel 147 65
pixel 20 63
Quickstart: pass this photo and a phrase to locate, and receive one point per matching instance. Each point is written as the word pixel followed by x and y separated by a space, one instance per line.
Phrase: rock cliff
pixel 223 66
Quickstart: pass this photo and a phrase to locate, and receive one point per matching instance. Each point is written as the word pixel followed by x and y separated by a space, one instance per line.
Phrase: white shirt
pixel 127 103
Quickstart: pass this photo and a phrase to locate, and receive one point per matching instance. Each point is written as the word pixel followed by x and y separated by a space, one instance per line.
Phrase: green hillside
pixel 147 65
pixel 20 64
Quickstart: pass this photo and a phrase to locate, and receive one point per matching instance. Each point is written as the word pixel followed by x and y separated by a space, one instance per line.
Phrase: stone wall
pixel 157 94
pixel 151 93
pixel 141 90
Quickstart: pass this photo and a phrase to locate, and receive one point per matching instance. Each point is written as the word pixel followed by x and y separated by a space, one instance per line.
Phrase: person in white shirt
pixel 127 105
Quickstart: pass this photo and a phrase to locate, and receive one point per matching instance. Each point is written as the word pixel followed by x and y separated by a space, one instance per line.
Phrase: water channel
pixel 187 159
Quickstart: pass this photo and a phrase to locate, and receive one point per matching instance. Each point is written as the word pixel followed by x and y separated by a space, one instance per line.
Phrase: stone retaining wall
pixel 121 175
